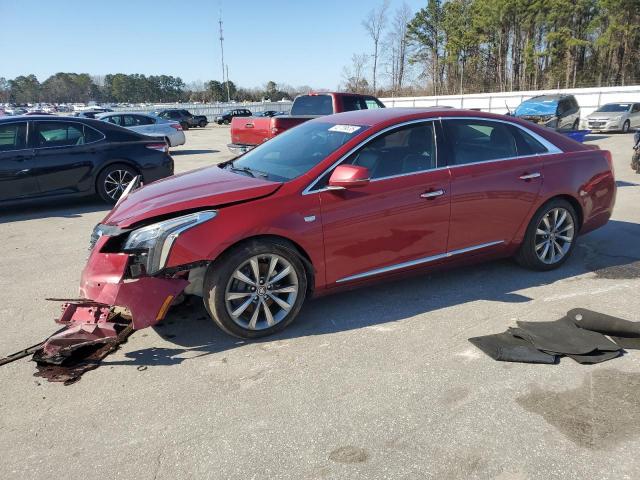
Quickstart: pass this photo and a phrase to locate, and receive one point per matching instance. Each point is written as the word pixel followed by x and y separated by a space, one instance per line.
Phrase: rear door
pixel 496 175
pixel 65 156
pixel 399 220
pixel 16 162
pixel 139 123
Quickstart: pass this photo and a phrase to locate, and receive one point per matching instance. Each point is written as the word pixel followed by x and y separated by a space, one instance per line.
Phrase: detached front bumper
pixel 104 289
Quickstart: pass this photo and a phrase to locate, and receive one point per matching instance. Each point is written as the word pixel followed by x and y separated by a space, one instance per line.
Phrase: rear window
pixel 312 105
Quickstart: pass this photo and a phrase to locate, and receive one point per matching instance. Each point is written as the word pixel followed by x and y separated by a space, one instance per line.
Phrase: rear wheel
pixel 255 289
pixel 184 125
pixel 550 236
pixel 225 121
pixel 113 180
pixel 202 123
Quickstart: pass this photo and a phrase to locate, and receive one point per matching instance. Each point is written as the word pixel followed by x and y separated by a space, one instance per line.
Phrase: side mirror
pixel 349 176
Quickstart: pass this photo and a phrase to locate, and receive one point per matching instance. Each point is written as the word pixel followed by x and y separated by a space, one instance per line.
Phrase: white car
pixel 614 117
pixel 147 125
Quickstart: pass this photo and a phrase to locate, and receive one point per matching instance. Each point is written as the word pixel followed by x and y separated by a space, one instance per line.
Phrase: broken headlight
pixel 152 244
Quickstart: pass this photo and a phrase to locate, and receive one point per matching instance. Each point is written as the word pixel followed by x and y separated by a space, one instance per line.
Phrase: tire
pixel 541 251
pixel 113 180
pixel 626 126
pixel 225 121
pixel 223 281
pixel 202 124
pixel 185 125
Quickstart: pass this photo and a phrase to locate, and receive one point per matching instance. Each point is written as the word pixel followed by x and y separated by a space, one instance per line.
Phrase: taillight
pixel 177 126
pixel 160 147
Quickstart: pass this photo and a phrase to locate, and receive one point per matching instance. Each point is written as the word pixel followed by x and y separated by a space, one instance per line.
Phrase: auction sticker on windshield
pixel 345 128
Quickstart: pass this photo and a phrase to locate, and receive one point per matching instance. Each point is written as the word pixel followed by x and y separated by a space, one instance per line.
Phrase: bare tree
pixel 354 76
pixel 399 42
pixel 375 24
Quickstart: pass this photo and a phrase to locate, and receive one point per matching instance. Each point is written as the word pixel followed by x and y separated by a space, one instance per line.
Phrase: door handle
pixel 23 171
pixel 432 194
pixel 248 125
pixel 530 176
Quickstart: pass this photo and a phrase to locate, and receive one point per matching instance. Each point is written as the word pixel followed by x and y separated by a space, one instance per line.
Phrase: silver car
pixel 147 125
pixel 614 117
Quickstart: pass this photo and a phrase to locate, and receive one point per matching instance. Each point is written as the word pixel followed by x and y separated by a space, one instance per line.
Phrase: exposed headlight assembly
pixel 153 242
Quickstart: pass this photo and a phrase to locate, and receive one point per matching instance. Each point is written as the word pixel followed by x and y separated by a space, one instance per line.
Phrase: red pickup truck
pixel 246 133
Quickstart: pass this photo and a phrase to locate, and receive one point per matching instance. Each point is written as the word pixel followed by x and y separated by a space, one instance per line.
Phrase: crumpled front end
pixel 111 305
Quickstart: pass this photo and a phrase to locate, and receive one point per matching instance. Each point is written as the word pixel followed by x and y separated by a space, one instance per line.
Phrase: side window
pixel 473 141
pixel 142 120
pixel 59 134
pixel 185 113
pixel 115 119
pixel 174 114
pixel 371 103
pixel 403 150
pixel 636 108
pixel 13 136
pixel 91 135
pixel 525 143
pixel 129 121
pixel 350 103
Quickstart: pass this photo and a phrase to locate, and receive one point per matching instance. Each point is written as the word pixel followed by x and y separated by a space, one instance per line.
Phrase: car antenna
pixel 508 109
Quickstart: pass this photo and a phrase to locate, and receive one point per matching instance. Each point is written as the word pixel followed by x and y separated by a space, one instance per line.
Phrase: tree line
pixel 133 88
pixel 464 46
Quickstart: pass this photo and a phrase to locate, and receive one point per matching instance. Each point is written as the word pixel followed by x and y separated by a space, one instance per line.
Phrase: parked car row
pixel 561 112
pixel 46 157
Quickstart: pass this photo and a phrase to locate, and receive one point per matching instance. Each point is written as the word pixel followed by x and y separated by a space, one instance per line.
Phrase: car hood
pixel 605 115
pixel 208 187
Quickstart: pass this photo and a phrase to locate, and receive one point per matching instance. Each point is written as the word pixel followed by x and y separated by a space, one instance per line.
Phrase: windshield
pixel 614 107
pixel 296 151
pixel 537 107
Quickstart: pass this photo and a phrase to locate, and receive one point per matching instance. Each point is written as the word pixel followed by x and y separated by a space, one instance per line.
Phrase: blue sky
pixel 304 42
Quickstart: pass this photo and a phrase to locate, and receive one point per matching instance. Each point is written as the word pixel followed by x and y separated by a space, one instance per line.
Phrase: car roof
pixel 379 116
pixel 543 98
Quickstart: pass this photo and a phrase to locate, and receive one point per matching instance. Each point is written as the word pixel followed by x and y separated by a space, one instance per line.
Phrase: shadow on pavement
pixel 607 252
pixel 62 208
pixel 192 152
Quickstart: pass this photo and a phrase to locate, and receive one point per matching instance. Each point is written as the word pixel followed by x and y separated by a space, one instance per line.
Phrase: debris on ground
pixel 586 336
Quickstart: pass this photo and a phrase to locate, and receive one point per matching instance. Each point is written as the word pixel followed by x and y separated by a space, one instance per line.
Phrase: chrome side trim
pixel 418 261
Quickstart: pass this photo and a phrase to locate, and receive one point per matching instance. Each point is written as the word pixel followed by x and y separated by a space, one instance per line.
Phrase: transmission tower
pixel 222 54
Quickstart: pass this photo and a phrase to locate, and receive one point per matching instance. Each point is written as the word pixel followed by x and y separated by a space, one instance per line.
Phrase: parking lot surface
pixel 379 382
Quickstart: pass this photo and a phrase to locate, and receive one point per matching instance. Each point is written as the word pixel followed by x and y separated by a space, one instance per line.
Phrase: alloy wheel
pixel 261 292
pixel 554 235
pixel 116 182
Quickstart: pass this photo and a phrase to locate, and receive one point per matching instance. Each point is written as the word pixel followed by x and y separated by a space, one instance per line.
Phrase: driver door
pixel 399 220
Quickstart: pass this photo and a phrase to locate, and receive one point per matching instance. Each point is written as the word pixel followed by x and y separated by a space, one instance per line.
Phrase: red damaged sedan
pixel 343 200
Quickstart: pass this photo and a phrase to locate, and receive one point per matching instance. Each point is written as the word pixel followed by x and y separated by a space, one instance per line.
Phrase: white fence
pixel 588 98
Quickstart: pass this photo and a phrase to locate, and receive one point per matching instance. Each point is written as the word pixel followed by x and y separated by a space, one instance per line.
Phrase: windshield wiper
pixel 248 170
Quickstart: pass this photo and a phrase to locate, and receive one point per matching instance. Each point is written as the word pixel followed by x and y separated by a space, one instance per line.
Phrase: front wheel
pixel 202 124
pixel 626 126
pixel 113 180
pixel 255 289
pixel 225 121
pixel 550 236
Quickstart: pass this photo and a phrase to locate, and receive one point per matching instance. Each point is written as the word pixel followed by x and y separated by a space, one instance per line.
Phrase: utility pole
pixel 228 94
pixel 222 54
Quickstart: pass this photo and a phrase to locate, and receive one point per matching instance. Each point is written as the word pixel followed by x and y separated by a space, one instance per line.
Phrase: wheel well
pixel 306 259
pixel 576 206
pixel 117 162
